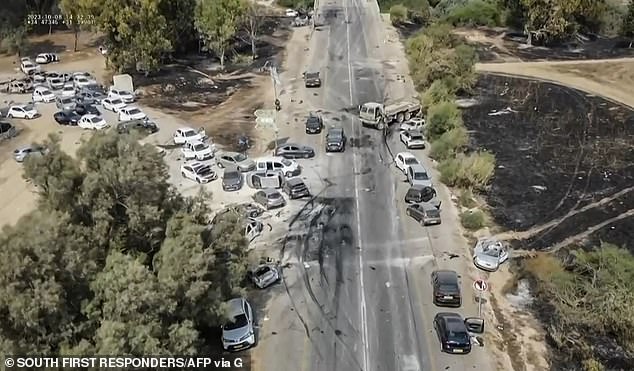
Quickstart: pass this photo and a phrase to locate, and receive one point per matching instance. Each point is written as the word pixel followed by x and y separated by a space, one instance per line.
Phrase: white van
pixel 289 168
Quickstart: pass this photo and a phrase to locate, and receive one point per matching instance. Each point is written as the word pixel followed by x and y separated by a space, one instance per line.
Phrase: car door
pixel 434 284
pixel 418 212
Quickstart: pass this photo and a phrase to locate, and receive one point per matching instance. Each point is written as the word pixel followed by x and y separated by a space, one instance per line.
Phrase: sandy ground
pixel 612 79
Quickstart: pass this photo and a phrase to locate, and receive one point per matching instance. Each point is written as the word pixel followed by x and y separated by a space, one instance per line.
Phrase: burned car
pixel 489 254
pixel 312 79
pixel 265 275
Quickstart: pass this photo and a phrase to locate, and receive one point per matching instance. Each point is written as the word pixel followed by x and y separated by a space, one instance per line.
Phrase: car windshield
pixel 273 196
pixel 134 111
pixel 116 101
pixel 200 147
pixel 421 176
pixel 262 271
pixel 45 92
pixel 67 100
pixel 68 88
pixel 56 81
pixel 190 133
pixel 312 75
pixel 240 157
pixel 491 251
pixel 448 287
pixel 313 120
pixel 417 137
pixel 232 175
pixel 239 321
pixel 123 92
pixel 95 119
pixel 458 337
pixel 286 162
pixel 410 160
pixel 205 170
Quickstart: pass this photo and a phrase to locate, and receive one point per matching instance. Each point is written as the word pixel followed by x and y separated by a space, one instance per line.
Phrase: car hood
pixel 487 260
pixel 235 334
pixel 232 181
pixel 246 164
pixel 334 140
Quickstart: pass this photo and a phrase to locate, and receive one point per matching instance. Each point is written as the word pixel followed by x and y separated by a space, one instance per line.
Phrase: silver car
pixel 265 275
pixel 21 154
pixel 269 198
pixel 240 160
pixel 232 179
pixel 425 214
pixel 65 103
pixel 418 175
pixel 489 254
pixel 238 333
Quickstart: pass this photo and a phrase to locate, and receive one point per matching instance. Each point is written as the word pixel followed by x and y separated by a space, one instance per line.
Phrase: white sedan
pixel 92 122
pixel 68 91
pixel 413 124
pixel 42 94
pixel 198 172
pixel 81 81
pixel 113 104
pixel 403 161
pixel 131 113
pixel 125 96
pixel 413 139
pixel 197 150
pixel 185 135
pixel 25 111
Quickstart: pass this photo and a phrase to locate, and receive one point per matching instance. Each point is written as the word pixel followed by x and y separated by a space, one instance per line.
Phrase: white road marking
pixel 408 363
pixel 364 333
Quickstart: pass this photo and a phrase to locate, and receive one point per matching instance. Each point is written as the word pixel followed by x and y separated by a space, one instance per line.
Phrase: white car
pixel 185 135
pixel 197 150
pixel 28 67
pixel 25 111
pixel 416 123
pixel 290 168
pixel 130 113
pixel 55 83
pixel 45 58
pixel 489 254
pixel 92 122
pixel 403 161
pixel 81 81
pixel 42 94
pixel 112 104
pixel 125 96
pixel 198 172
pixel 413 139
pixel 68 91
pixel 291 13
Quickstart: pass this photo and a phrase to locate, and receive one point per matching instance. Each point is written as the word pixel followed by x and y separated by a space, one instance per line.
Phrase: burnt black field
pixel 557 150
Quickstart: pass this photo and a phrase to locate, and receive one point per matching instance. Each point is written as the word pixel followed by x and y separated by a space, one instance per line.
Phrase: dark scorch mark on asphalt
pixel 557 149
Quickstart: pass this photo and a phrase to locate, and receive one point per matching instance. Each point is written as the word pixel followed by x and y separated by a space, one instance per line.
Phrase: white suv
pixel 289 168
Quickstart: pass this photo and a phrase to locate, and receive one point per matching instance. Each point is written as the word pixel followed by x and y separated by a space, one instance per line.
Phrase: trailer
pixel 378 115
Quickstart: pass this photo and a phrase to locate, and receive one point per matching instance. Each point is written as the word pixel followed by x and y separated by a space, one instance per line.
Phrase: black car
pixel 314 124
pixel 232 179
pixel 335 140
pixel 294 150
pixel 446 288
pixel 452 333
pixel 90 97
pixel 147 126
pixel 312 79
pixel 85 109
pixel 420 193
pixel 67 117
pixel 295 188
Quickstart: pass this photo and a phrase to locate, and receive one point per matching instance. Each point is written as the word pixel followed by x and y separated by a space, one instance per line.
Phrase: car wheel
pixel 288 174
pixel 306 155
pixel 183 174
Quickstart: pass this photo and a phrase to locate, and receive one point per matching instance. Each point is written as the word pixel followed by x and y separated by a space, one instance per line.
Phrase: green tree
pixel 253 17
pixel 217 22
pixel 439 91
pixel 73 10
pixel 179 15
pixel 627 29
pixel 136 33
pixel 230 249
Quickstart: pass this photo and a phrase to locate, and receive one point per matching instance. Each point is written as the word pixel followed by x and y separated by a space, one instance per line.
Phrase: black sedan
pixel 67 117
pixel 452 333
pixel 90 97
pixel 85 109
pixel 294 150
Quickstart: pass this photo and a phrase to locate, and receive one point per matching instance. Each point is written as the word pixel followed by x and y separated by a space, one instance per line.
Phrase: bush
pixel 398 14
pixel 472 219
pixel 611 20
pixel 295 4
pixel 443 90
pixel 420 12
pixel 463 67
pixel 476 13
pixel 472 171
pixel 449 144
pixel 627 27
pixel 441 118
pixel 466 199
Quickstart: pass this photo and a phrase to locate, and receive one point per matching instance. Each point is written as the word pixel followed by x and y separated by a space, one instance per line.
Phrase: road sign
pixel 480 285
pixel 264 113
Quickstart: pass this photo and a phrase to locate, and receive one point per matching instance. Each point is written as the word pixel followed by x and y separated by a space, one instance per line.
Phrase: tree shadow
pixel 44 46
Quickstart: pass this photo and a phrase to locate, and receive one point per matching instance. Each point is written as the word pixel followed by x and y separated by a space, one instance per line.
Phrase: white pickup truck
pixel 378 115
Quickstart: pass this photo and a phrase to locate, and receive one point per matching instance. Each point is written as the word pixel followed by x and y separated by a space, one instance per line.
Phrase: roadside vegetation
pixel 114 260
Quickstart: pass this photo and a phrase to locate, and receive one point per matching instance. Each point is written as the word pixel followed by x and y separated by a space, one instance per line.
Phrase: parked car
pixel 66 117
pixel 312 80
pixel 452 333
pixel 252 229
pixel 55 83
pixel 90 96
pixel 300 21
pixel 424 213
pixel 238 333
pixel 38 79
pixel 125 96
pixel 417 174
pixel 269 198
pixel 65 103
pixel 112 104
pixel 314 124
pixel 7 131
pixel 42 94
pixel 289 168
pixel 335 140
pixel 295 188
pixel 81 81
pixel 415 123
pixel 197 150
pixel 186 134
pixel 92 122
pixel 20 154
pixel 446 288
pixel 404 159
pixel 23 111
pixel 131 113
pixel 265 179
pixel 291 13
pixel 422 194
pixel 45 58
pixel 294 150
pixel 413 139
pixel 28 67
pixel 17 86
pixel 68 91
pixel 84 109
pixel 232 179
pixel 147 126
pixel 198 172
pixel 489 254
pixel 240 160
pixel 265 275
